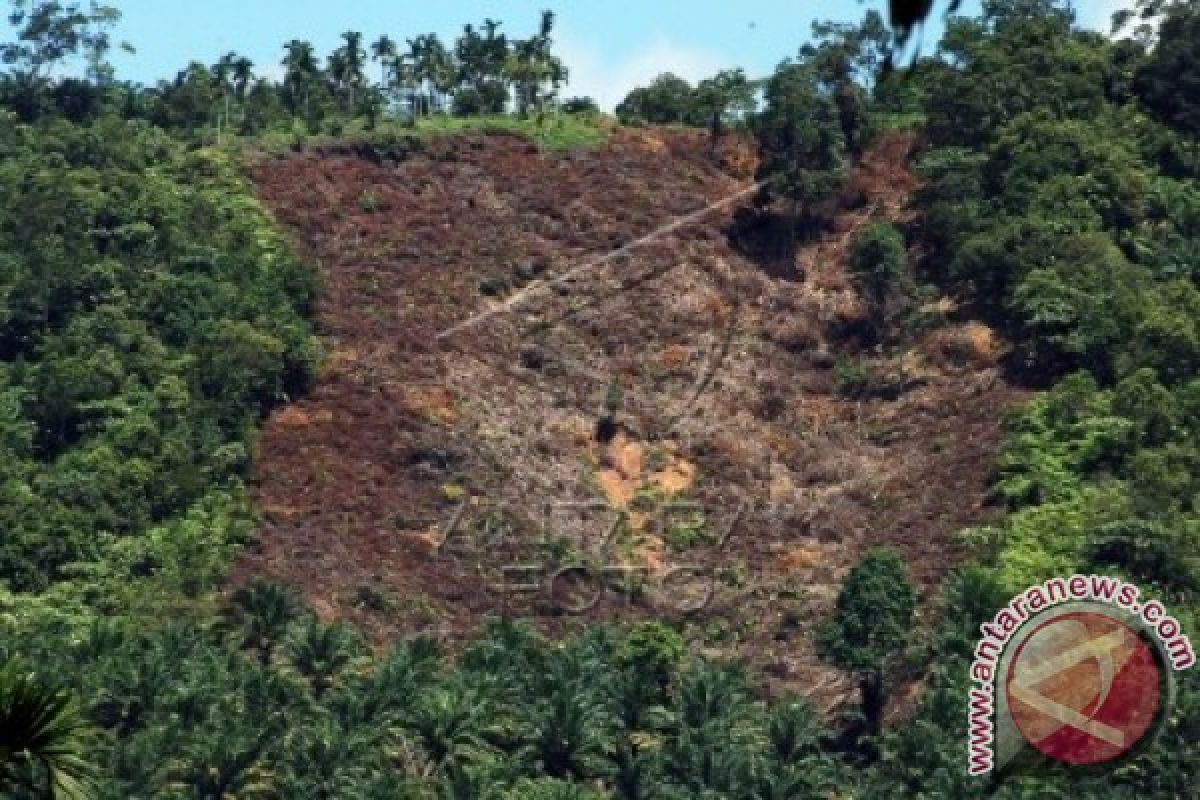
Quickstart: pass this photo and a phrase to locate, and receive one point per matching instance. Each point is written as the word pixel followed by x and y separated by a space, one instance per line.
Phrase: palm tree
pixel 132 689
pixel 568 731
pixel 346 68
pixel 793 731
pixel 451 723
pixel 384 51
pixel 634 775
pixel 531 66
pixel 243 74
pixel 300 64
pixel 267 609
pixel 323 759
pixel 407 668
pixel 222 73
pixel 43 737
pixel 433 67
pixel 224 764
pixel 319 652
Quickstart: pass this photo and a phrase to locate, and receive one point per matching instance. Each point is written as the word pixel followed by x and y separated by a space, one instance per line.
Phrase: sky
pixel 609 47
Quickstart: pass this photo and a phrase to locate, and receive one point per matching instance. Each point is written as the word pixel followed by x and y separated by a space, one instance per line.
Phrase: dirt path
pixel 726 401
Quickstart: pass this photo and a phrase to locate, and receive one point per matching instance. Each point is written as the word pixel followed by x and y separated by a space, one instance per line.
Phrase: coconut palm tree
pixel 43 739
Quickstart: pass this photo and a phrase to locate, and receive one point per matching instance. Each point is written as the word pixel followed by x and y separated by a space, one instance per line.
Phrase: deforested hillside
pixel 379 422
pixel 620 416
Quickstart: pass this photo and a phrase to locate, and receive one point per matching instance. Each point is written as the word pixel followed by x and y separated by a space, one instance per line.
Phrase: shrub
pixel 878 260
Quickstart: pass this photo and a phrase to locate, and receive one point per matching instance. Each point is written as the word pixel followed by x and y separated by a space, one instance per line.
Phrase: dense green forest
pixel 151 314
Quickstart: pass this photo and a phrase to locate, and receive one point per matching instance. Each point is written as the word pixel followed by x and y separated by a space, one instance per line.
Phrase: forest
pixel 152 313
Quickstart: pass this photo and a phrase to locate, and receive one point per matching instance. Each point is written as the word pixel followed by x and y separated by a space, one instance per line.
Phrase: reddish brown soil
pixel 728 397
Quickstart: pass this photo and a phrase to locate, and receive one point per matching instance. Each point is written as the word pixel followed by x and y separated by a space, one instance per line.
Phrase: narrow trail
pixel 512 303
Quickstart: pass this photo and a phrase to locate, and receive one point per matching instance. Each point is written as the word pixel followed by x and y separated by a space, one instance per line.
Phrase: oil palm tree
pixel 43 739
pixel 567 732
pixel 452 724
pixel 223 764
pixel 323 760
pixel 266 610
pixel 320 652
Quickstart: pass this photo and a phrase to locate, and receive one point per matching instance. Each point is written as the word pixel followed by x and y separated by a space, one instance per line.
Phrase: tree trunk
pixel 874 700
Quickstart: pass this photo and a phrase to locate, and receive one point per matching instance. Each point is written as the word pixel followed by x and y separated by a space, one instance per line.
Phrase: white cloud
pixel 607 80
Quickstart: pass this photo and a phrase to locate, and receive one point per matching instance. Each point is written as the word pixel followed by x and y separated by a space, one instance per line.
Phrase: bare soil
pixel 727 400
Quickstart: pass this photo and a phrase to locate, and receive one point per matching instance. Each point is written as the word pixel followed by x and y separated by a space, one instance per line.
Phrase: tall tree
pixel 346 70
pixel 800 136
pixel 481 58
pixel 48 32
pixel 433 70
pixel 1169 82
pixel 222 73
pixel 300 75
pixel 383 50
pixel 716 99
pixel 873 621
pixel 534 70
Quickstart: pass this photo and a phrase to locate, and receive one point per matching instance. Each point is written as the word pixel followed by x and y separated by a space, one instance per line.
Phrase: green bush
pixel 873 619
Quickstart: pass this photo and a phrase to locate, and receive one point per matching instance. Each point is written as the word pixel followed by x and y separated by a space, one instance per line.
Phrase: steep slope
pixel 727 400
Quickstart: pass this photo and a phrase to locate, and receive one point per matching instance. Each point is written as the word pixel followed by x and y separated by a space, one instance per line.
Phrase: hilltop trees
pixel 384 50
pixel 481 72
pixel 534 71
pixel 1168 83
pixel 301 79
pixel 670 100
pixel 345 71
pixel 667 100
pixel 48 33
pixel 482 60
pixel 803 148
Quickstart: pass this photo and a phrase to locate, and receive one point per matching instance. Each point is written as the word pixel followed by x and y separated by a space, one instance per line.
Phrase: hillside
pixel 727 376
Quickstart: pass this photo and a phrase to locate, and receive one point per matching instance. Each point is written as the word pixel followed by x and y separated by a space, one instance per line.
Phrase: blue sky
pixel 609 46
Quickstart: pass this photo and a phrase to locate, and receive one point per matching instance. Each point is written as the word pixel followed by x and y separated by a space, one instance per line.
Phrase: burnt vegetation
pixel 292 372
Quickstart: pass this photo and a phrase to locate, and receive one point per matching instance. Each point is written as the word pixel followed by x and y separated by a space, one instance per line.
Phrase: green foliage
pixel 1081 308
pixel 714 103
pixel 152 314
pixel 878 260
pixel 43 739
pixel 803 148
pixel 874 613
pixel 1168 83
pixel 652 651
pixel 854 377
